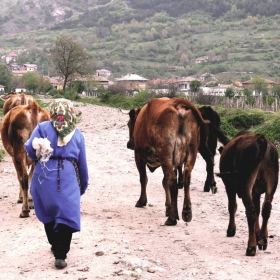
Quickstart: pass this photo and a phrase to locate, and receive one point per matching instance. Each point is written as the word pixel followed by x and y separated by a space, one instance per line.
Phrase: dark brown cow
pixel 13 99
pixel 17 126
pixel 249 167
pixel 213 134
pixel 167 133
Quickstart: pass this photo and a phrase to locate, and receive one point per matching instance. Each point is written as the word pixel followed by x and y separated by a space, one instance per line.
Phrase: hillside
pixel 147 37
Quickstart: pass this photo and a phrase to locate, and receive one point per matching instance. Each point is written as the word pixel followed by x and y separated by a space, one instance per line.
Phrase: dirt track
pixel 119 241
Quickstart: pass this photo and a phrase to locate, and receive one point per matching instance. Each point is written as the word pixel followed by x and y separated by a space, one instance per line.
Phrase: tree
pixel 70 59
pixel 195 85
pixel 6 76
pixel 259 84
pixel 30 81
pixel 43 85
pixel 229 92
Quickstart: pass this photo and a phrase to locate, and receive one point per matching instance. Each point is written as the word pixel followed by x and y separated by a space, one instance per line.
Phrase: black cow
pixel 249 167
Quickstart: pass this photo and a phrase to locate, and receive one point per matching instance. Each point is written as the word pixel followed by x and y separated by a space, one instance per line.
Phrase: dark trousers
pixel 60 239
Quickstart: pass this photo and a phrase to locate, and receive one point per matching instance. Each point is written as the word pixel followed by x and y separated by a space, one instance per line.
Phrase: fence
pixel 266 103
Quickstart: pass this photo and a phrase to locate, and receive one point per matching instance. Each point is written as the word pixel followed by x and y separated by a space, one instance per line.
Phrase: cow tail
pixel 23 99
pixel 262 143
pixel 221 136
pixel 5 135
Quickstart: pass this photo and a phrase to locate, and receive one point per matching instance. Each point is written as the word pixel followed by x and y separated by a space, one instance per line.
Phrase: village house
pixel 19 73
pixel 30 67
pixel 202 59
pixel 250 84
pixel 132 82
pixel 219 90
pixel 183 84
pixel 92 85
pixel 103 73
pixel 205 76
pixel 11 57
pixel 20 88
pixel 2 89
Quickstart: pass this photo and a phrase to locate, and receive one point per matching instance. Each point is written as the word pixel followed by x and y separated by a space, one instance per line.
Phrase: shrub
pixel 72 94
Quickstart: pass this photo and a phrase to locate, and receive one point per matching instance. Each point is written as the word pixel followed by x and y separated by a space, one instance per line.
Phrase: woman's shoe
pixel 60 263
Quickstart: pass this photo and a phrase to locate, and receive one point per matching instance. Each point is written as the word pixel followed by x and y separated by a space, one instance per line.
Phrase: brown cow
pixel 167 133
pixel 17 126
pixel 13 99
pixel 249 167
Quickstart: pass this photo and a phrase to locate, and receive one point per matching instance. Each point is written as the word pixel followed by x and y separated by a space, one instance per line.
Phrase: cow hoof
pixel 262 244
pixel 206 189
pixel 214 189
pixel 170 222
pixel 187 215
pixel 180 185
pixel 230 232
pixel 24 215
pixel 251 251
pixel 140 204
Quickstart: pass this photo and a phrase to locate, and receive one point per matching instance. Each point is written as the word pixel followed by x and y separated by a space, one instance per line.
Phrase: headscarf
pixel 63 120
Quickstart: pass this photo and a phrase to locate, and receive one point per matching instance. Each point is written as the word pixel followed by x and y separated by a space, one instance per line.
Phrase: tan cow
pixel 17 126
pixel 13 99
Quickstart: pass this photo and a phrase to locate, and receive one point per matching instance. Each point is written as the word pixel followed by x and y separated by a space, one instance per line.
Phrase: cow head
pixel 131 123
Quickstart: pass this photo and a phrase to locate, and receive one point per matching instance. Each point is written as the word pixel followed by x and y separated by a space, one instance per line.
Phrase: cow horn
pixel 126 112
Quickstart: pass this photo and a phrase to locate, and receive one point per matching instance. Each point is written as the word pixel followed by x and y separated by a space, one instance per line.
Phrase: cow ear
pixel 132 114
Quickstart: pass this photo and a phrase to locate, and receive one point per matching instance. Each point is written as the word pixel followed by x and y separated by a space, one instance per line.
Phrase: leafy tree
pixel 260 84
pixel 195 85
pixel 70 59
pixel 43 85
pixel 30 81
pixel 6 76
pixel 247 92
pixel 276 90
pixel 229 93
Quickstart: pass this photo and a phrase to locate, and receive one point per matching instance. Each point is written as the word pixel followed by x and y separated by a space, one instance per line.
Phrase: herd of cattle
pixel 168 133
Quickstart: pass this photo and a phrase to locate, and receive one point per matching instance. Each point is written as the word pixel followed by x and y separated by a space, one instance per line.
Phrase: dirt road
pixel 119 241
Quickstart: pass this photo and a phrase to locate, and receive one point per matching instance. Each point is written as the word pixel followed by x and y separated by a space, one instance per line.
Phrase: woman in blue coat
pixel 60 176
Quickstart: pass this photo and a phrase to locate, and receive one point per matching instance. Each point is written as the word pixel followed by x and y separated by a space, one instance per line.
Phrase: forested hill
pixel 216 8
pixel 118 11
pixel 153 38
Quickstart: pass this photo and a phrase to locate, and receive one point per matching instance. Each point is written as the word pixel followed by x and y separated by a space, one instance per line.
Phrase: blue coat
pixel 50 204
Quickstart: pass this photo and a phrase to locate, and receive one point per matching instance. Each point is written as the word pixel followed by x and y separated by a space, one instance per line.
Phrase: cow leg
pixel 20 165
pixel 266 210
pixel 251 219
pixel 20 194
pixel 169 183
pixel 30 200
pixel 210 182
pixel 141 166
pixel 232 207
pixel 187 206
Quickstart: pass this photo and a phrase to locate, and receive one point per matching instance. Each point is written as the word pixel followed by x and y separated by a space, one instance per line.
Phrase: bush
pixel 72 94
pixel 271 131
pixel 58 95
pixel 239 120
pixel 53 92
